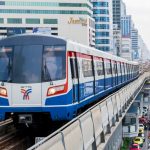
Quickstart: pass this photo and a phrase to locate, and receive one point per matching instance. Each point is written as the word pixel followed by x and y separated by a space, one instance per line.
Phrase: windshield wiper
pixel 46 75
pixel 9 70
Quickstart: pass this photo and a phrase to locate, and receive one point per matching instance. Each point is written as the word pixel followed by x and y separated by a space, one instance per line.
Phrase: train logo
pixel 26 92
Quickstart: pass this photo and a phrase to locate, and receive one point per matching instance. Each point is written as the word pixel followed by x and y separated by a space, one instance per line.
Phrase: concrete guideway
pixel 100 127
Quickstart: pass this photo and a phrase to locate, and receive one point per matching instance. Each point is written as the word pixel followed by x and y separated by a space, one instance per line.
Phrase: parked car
pixel 141 126
pixel 149 134
pixel 148 146
pixel 139 141
pixel 141 130
pixel 145 108
pixel 142 136
pixel 145 112
pixel 135 147
pixel 144 120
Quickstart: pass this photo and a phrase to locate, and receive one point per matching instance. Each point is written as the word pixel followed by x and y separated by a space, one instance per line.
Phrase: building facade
pixel 135 45
pixel 126 48
pixel 117 40
pixel 69 19
pixel 126 24
pixel 123 9
pixel 102 13
pixel 144 52
pixel 117 12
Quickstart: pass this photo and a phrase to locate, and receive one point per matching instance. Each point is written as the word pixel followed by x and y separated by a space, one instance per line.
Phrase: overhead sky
pixel 140 11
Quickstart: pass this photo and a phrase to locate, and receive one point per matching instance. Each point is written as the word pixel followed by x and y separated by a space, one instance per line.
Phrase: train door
pixel 99 74
pixel 86 79
pixel 75 76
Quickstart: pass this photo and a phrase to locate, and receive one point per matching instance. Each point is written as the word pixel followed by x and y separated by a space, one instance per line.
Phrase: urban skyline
pixel 140 13
pixel 105 25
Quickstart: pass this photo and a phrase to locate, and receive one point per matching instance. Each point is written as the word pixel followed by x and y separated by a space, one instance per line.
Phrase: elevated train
pixel 48 77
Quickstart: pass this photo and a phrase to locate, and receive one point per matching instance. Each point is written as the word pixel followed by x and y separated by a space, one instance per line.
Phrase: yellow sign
pixel 81 21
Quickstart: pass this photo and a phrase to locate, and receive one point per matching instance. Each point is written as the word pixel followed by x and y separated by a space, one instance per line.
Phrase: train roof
pixel 77 47
pixel 32 38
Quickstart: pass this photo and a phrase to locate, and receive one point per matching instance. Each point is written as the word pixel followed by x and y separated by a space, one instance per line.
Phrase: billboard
pixel 13 31
pixel 42 30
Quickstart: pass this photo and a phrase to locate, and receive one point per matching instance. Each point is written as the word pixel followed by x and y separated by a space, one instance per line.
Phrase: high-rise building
pixel 123 9
pixel 126 47
pixel 117 12
pixel 135 46
pixel 69 19
pixel 126 23
pixel 126 50
pixel 144 52
pixel 102 13
pixel 117 40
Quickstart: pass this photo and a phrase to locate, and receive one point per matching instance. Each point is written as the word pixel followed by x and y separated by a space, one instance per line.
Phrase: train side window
pixel 99 68
pixel 131 68
pixel 87 68
pixel 108 67
pixel 118 67
pixel 123 70
pixel 114 67
pixel 127 68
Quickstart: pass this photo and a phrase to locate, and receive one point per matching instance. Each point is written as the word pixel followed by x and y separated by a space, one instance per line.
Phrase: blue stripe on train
pixel 64 109
pixel 4 102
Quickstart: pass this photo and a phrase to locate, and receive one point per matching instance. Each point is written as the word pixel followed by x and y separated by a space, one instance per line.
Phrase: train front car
pixel 33 78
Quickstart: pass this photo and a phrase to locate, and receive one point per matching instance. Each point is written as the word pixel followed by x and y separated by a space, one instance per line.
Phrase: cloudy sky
pixel 140 11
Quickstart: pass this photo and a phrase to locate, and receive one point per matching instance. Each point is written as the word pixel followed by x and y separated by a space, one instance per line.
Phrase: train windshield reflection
pixel 5 62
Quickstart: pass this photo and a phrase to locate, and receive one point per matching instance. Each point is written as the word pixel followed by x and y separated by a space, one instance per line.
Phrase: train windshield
pixel 27 62
pixel 54 63
pixel 38 63
pixel 5 63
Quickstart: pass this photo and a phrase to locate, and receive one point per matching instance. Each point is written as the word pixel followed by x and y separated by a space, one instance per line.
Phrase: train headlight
pixel 51 91
pixel 55 90
pixel 3 92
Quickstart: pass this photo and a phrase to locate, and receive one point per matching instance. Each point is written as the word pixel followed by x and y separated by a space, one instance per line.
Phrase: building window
pixel 50 4
pixel 1 20
pixel 125 50
pixel 103 48
pixel 102 34
pixel 102 26
pixel 50 21
pixel 14 20
pixel 101 19
pixel 102 41
pixel 54 33
pixel 101 11
pixel 27 11
pixel 100 4
pixel 33 21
